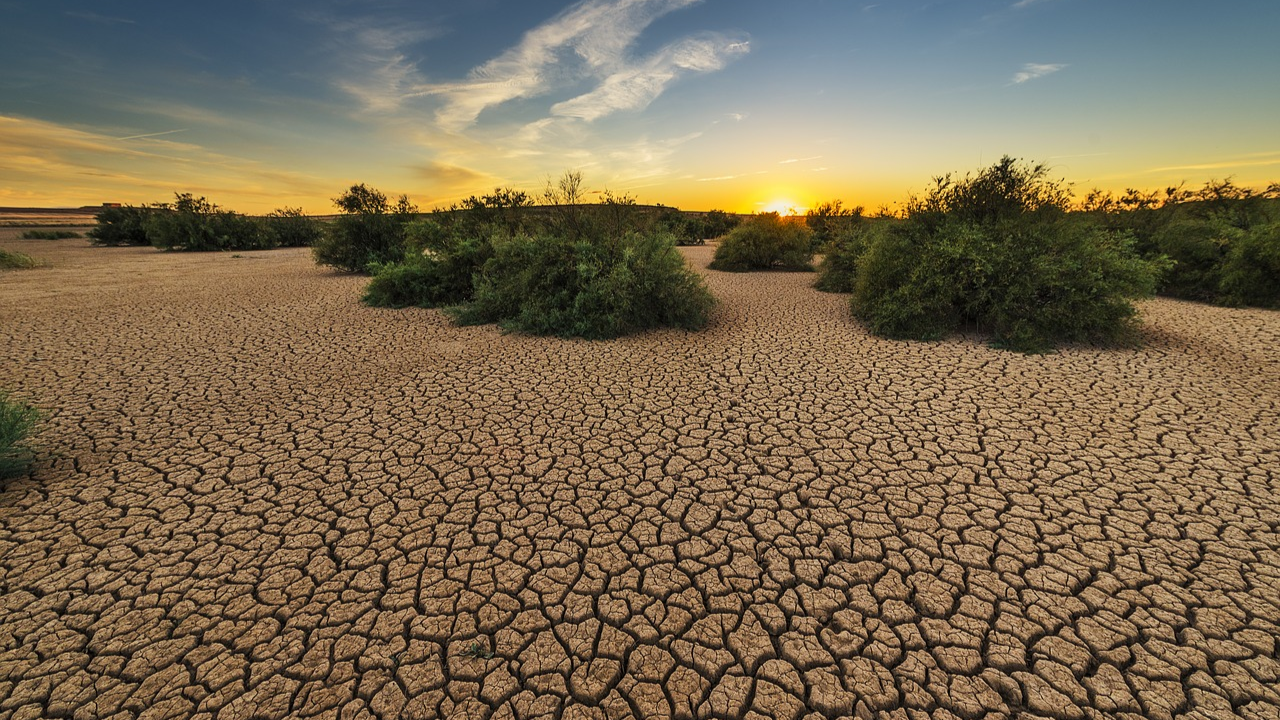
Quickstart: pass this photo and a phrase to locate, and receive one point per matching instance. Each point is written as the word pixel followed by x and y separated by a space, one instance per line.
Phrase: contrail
pixel 166 132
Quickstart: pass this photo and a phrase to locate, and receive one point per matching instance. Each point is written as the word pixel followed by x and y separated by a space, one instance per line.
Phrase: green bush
pixel 764 242
pixel 438 272
pixel 1198 249
pixel 370 233
pixel 194 224
pixel 591 287
pixel 1251 270
pixel 839 266
pixel 829 221
pixel 998 251
pixel 15 260
pixel 17 421
pixel 124 225
pixel 50 235
pixel 289 227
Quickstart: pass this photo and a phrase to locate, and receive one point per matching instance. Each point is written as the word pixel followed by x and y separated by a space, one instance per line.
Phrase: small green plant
pixel 765 242
pixel 50 235
pixel 17 421
pixel 477 651
pixel 371 231
pixel 838 270
pixel 10 260
pixel 829 221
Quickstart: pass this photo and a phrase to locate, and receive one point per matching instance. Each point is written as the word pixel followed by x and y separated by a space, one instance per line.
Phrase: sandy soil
pixel 264 500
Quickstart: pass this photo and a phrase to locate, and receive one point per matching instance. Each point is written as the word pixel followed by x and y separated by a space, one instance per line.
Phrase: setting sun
pixel 784 207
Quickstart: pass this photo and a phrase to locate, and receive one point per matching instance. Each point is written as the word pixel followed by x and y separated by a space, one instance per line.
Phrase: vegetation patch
pixel 50 235
pixel 765 242
pixel 996 251
pixel 119 226
pixel 17 422
pixel 369 234
pixel 10 260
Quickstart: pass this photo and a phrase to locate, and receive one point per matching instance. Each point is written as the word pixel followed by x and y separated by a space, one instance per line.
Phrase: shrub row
pixel 50 235
pixel 195 224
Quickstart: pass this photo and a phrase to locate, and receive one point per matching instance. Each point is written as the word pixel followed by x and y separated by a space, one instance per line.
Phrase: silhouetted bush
pixel 124 225
pixel 998 250
pixel 50 235
pixel 1251 270
pixel 371 232
pixel 17 421
pixel 289 227
pixel 764 242
pixel 830 220
pixel 591 287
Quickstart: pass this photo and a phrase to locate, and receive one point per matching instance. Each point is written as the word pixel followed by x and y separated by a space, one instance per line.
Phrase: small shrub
pixel 122 226
pixel 289 227
pixel 1198 249
pixel 587 287
pixel 50 235
pixel 10 260
pixel 370 233
pixel 764 242
pixel 1251 269
pixel 17 421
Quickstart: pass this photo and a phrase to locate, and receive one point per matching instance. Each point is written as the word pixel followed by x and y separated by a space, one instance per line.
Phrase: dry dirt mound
pixel 264 500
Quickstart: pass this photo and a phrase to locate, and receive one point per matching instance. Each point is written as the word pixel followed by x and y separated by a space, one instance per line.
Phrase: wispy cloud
pixel 1025 3
pixel 100 19
pixel 589 42
pixel 796 160
pixel 151 135
pixel 1033 71
pixel 1251 160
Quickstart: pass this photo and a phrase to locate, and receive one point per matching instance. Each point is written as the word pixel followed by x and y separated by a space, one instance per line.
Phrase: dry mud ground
pixel 264 500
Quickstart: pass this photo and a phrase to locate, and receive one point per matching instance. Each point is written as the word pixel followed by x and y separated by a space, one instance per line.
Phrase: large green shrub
pixel 1251 270
pixel 370 232
pixel 997 250
pixel 764 242
pixel 125 225
pixel 17 421
pixel 591 287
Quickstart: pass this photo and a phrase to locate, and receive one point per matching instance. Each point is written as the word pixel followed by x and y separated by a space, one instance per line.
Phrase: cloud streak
pixel 1034 71
pixel 589 42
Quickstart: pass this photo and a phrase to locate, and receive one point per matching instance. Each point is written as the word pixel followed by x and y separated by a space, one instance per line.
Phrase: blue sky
pixel 738 104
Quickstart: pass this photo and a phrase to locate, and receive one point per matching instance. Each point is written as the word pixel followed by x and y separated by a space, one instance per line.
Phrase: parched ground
pixel 264 500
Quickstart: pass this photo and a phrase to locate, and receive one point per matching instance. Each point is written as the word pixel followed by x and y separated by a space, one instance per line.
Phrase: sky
pixel 741 105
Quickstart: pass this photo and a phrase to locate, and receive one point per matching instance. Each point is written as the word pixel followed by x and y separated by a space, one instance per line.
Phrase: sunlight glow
pixel 783 206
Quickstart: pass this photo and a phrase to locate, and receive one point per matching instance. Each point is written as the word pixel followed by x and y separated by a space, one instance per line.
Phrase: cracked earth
pixel 261 499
